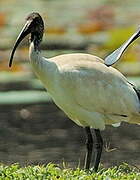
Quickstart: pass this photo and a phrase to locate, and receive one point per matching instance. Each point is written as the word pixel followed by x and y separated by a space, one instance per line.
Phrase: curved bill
pixel 115 55
pixel 24 32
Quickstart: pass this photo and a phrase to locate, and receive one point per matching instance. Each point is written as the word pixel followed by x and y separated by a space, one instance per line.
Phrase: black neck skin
pixel 36 38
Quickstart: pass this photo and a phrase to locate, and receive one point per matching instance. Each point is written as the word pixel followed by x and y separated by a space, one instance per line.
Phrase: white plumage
pixel 89 92
pixel 84 87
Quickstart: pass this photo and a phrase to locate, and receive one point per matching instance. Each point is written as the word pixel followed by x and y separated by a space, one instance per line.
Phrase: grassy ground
pixel 54 172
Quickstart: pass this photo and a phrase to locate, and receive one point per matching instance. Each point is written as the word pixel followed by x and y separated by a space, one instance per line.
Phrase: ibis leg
pixel 98 146
pixel 89 145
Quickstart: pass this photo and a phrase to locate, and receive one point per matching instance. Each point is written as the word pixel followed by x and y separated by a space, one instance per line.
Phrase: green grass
pixel 54 172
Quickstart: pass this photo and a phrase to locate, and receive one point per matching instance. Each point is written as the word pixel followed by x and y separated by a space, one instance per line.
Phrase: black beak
pixel 24 32
pixel 115 55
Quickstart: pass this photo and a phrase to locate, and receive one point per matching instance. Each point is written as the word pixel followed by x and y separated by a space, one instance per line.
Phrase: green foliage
pixel 54 172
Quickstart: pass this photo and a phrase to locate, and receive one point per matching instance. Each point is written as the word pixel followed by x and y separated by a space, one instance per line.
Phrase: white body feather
pixel 89 92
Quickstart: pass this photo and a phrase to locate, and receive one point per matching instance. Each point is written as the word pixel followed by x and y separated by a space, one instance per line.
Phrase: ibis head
pixel 35 26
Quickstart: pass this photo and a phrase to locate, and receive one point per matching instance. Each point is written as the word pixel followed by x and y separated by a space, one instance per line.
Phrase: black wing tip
pixel 137 90
pixel 108 65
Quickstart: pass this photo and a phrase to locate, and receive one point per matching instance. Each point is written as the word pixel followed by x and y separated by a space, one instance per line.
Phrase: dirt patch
pixel 41 133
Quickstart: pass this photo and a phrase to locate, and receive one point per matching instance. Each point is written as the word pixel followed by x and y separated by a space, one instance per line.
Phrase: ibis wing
pixel 92 94
pixel 115 55
pixel 101 89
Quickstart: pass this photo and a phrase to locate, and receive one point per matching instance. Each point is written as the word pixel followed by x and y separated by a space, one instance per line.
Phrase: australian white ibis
pixel 87 90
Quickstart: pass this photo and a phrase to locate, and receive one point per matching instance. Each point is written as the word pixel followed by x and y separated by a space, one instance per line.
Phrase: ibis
pixel 89 91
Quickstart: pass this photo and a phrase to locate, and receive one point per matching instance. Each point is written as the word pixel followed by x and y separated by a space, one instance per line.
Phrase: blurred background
pixel 32 129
